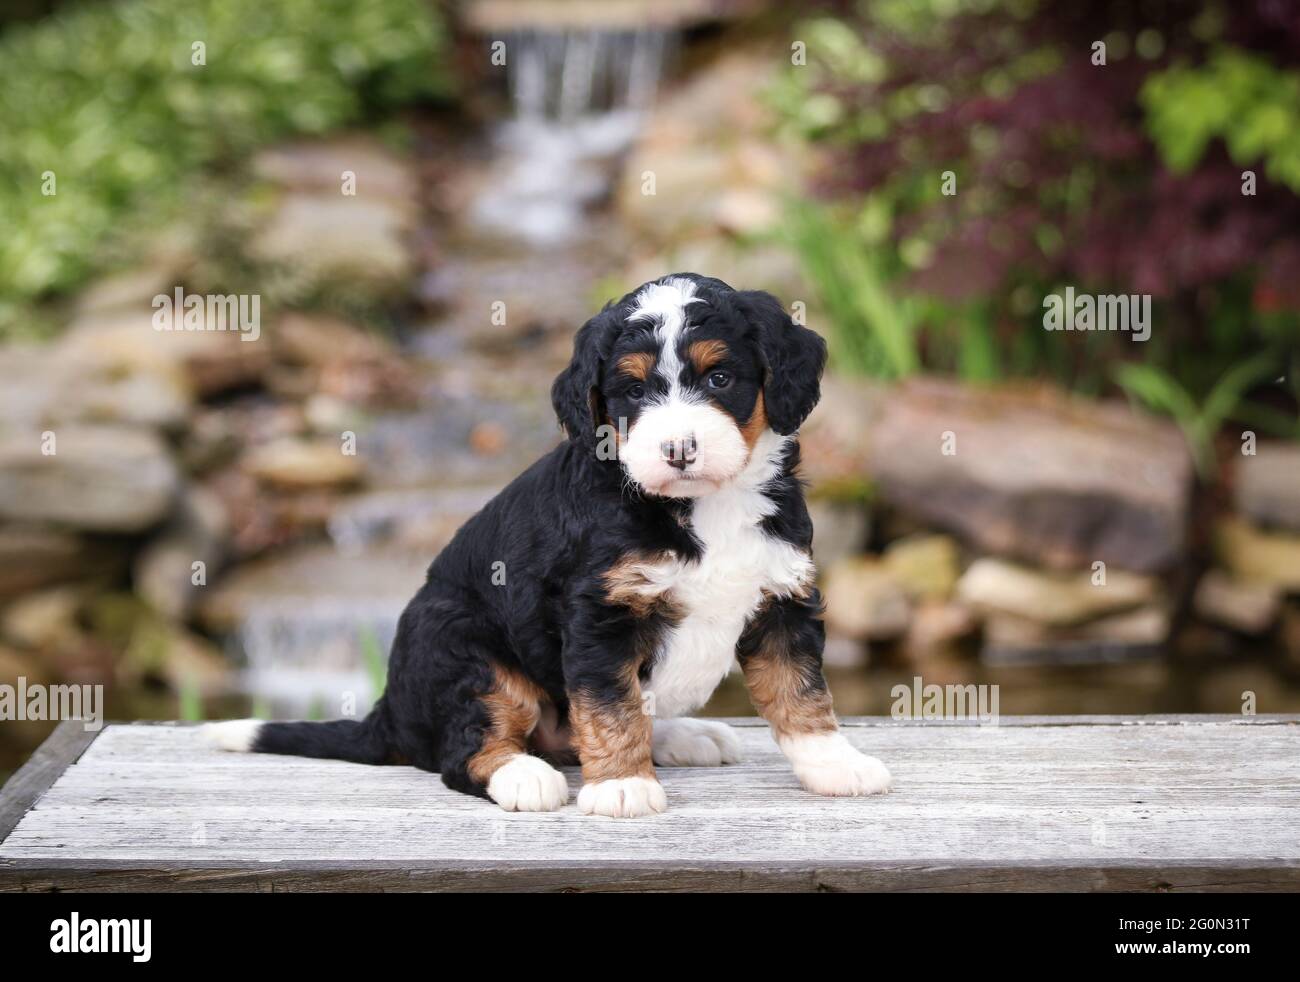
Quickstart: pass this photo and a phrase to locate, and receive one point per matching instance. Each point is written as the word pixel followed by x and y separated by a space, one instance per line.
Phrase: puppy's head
pixel 688 375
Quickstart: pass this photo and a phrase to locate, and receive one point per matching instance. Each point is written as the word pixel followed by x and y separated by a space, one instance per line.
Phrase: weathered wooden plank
pixel 42 769
pixel 1111 803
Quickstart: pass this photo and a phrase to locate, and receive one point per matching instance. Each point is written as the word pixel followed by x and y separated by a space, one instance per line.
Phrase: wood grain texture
pixel 1103 803
pixel 42 769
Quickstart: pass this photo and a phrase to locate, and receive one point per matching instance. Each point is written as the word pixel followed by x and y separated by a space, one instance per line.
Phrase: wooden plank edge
pixel 1190 719
pixel 38 876
pixel 60 749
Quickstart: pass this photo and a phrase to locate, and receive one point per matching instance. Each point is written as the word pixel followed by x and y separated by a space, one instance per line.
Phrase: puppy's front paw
pixel 694 743
pixel 828 764
pixel 629 797
pixel 528 784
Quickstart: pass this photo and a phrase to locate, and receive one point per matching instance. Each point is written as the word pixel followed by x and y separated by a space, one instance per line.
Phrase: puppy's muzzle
pixel 678 453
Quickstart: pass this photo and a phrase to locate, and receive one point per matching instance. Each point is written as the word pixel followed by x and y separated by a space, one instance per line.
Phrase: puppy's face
pixel 684 388
pixel 685 370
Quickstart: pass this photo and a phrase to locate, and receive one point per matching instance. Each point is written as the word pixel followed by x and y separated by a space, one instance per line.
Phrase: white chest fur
pixel 719 593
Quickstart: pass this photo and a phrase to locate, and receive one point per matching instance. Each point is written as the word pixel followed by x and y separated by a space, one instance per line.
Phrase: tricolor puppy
pixel 604 594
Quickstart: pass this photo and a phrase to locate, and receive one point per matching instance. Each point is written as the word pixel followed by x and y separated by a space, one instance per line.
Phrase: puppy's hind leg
pixel 497 763
pixel 694 743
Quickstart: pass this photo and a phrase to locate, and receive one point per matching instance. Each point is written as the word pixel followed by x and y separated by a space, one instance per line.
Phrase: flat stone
pixel 45 387
pixel 34 556
pixel 1035 475
pixel 835 441
pixel 925 565
pixel 1254 555
pixel 319 165
pixel 1268 485
pixel 43 619
pixel 207 362
pixel 1248 607
pixel 329 237
pixel 164 573
pixel 302 464
pixel 863 602
pixel 101 478
pixel 839 530
pixel 1049 598
pixel 307 578
pixel 936 627
pixel 1141 632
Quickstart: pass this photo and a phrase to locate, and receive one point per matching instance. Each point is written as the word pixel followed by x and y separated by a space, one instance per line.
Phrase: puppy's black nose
pixel 679 453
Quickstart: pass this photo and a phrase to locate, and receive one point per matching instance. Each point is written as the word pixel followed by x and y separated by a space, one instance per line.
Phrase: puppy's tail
pixel 360 741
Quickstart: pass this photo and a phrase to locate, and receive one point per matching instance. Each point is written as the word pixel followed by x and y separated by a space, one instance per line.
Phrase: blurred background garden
pixel 429 198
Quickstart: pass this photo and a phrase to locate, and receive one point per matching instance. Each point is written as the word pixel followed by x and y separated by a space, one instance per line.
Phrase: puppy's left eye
pixel 719 380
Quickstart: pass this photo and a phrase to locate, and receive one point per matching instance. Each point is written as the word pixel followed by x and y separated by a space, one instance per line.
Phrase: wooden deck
pixel 1050 803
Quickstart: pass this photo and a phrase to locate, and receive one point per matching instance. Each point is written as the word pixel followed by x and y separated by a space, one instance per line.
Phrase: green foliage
pixel 191 700
pixel 1199 422
pixel 373 656
pixel 105 97
pixel 872 331
pixel 1235 96
pixel 968 169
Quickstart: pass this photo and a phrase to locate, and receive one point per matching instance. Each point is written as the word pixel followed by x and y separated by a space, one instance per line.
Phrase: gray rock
pixel 925 565
pixel 310 579
pixel 1052 599
pixel 863 602
pixel 327 236
pixel 34 556
pixel 1268 485
pixel 100 478
pixel 296 464
pixel 1036 476
pixel 45 386
pixel 1142 632
pixel 839 530
pixel 1250 608
pixel 1253 555
pixel 163 572
pixel 320 165
pixel 835 441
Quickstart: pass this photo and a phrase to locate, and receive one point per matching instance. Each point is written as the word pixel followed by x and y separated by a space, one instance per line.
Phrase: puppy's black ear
pixel 576 392
pixel 793 359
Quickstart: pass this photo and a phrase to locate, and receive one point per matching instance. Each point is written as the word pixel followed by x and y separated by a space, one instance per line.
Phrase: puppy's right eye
pixel 635 391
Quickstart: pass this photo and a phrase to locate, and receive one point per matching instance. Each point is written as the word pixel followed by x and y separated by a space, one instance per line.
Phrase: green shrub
pixel 106 99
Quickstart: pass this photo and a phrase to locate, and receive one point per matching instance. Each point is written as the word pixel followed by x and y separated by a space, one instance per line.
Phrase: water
pixel 579 98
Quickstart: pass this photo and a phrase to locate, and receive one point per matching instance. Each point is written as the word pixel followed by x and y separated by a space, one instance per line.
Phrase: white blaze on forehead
pixel 667 303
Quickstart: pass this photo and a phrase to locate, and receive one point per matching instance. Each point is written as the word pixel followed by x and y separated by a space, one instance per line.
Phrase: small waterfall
pixel 307 656
pixel 579 98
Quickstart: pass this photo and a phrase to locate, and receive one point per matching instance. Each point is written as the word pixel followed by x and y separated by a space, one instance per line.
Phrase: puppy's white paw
pixel 528 784
pixel 628 797
pixel 694 743
pixel 826 763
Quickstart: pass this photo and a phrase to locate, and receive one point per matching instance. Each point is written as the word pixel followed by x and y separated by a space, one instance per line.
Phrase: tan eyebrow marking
pixel 705 354
pixel 638 365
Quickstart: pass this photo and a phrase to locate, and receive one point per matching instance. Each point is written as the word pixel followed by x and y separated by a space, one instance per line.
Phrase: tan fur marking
pixel 757 423
pixel 514 707
pixel 705 354
pixel 784 695
pixel 613 740
pixel 638 365
pixel 629 583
